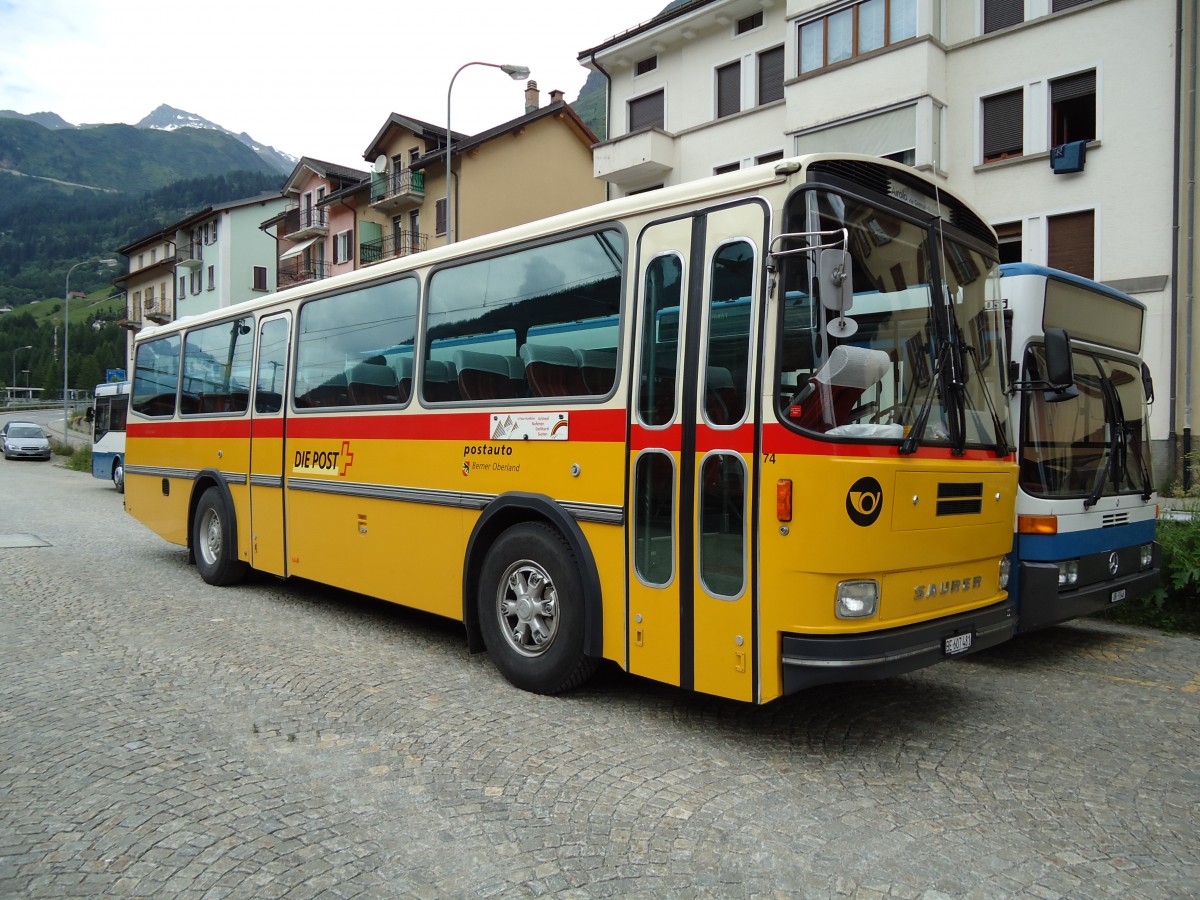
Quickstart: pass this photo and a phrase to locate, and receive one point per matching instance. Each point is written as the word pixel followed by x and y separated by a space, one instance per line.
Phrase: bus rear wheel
pixel 531 610
pixel 118 476
pixel 210 536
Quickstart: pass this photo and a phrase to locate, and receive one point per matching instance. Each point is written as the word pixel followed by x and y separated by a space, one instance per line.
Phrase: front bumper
pixel 809 660
pixel 22 453
pixel 1041 604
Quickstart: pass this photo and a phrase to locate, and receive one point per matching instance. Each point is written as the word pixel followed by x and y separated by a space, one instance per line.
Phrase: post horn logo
pixel 864 501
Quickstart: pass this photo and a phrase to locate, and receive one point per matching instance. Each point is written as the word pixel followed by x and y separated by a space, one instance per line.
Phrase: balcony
pixel 634 159
pixel 304 222
pixel 155 310
pixel 398 190
pixel 189 255
pixel 390 246
pixel 292 272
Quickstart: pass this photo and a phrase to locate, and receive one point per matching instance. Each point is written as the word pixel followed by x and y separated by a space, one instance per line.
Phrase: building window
pixel 214 232
pixel 728 167
pixel 153 256
pixel 750 22
pixel 854 30
pixel 770 75
pixel 182 286
pixel 1073 108
pixel 341 247
pixel 137 299
pixel 141 260
pixel 197 281
pixel 439 226
pixel 769 157
pixel 162 291
pixel 729 89
pixel 149 296
pixel 1009 235
pixel 1003 122
pixel 649 64
pixel 260 278
pixel 212 278
pixel 646 112
pixel 1070 244
pixel 999 14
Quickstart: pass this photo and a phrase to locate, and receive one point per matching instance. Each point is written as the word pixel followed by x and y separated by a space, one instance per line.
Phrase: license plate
pixel 1117 596
pixel 959 643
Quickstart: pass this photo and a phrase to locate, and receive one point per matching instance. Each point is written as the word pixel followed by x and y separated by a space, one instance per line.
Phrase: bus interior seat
pixel 403 367
pixel 720 396
pixel 372 384
pixel 331 392
pixel 267 402
pixel 598 368
pixel 552 371
pixel 835 389
pixel 440 381
pixel 482 376
pixel 516 377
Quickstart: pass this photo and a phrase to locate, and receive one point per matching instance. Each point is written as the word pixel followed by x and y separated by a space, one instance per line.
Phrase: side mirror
pixel 837 284
pixel 1060 370
pixel 1147 383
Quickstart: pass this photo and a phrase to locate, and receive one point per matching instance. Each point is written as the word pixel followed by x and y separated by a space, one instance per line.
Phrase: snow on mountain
pixel 167 118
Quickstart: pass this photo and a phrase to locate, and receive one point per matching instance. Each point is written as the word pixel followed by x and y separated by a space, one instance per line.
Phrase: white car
pixel 24 440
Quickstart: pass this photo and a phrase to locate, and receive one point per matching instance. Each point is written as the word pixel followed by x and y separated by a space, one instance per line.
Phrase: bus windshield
pixel 908 351
pixel 1092 445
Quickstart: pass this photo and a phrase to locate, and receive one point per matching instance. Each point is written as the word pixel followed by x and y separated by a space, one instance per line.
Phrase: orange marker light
pixel 783 499
pixel 1037 524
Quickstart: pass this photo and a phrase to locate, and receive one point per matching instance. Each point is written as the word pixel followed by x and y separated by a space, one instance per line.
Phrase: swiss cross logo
pixel 347 459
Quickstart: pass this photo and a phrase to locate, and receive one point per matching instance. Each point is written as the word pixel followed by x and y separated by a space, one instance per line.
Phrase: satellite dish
pixel 381 163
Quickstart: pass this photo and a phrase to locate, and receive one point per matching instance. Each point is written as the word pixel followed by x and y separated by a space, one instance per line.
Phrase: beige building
pixel 981 95
pixel 533 166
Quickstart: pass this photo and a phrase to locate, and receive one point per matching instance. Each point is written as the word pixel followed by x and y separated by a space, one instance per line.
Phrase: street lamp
pixel 17 350
pixel 94 261
pixel 516 73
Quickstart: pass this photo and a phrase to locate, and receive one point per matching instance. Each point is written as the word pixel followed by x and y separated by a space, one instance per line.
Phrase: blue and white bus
pixel 108 437
pixel 1086 507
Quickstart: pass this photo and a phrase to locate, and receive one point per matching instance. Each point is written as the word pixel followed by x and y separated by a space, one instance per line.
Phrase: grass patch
pixel 79 460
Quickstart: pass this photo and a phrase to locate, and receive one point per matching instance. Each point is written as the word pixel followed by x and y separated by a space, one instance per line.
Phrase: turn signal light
pixel 1037 524
pixel 783 500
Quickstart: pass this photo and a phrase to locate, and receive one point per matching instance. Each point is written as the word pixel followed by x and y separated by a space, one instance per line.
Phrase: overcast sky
pixel 308 77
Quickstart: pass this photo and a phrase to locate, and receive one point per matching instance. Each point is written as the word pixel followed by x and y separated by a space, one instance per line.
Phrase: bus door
pixel 268 424
pixel 692 451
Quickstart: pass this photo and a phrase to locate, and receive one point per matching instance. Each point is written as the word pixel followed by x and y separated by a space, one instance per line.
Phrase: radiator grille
pixel 959 498
pixel 1113 519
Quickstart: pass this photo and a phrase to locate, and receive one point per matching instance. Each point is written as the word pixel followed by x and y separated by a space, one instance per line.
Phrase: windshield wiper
pixel 1001 448
pixel 1111 413
pixel 913 439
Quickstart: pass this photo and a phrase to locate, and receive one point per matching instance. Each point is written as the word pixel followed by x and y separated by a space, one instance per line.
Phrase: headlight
pixel 1068 573
pixel 857 599
pixel 1145 555
pixel 1005 569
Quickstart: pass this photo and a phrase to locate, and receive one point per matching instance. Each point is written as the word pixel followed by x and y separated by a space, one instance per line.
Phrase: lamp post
pixel 94 261
pixel 13 383
pixel 515 73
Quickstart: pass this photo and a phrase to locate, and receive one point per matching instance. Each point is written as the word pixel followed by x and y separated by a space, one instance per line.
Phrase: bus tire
pixel 531 610
pixel 210 536
pixel 118 475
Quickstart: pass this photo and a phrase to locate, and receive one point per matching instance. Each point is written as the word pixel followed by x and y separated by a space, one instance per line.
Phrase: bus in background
pixel 742 435
pixel 1086 508
pixel 108 432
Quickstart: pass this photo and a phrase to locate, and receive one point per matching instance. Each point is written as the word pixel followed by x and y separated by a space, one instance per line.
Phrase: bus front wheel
pixel 531 610
pixel 210 536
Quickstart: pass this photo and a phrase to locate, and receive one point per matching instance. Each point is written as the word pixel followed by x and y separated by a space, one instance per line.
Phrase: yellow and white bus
pixel 742 435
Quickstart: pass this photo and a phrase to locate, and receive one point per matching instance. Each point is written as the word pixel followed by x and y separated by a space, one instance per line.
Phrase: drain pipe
pixel 607 115
pixel 1190 270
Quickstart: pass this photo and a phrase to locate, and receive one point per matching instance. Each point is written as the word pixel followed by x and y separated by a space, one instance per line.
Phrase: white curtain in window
pixel 889 132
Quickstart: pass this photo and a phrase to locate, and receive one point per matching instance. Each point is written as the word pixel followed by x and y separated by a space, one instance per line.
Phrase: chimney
pixel 532 97
pixel 556 96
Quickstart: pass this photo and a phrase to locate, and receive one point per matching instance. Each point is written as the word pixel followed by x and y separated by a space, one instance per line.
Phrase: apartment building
pixel 1070 123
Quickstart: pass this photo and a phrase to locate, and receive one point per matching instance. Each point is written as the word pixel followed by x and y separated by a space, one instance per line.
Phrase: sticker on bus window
pixel 550 426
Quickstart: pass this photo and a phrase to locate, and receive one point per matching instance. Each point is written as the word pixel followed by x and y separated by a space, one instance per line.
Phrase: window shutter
pixel 646 112
pixel 770 75
pixel 1081 85
pixel 1002 125
pixel 1002 13
pixel 1071 243
pixel 729 89
pixel 440 216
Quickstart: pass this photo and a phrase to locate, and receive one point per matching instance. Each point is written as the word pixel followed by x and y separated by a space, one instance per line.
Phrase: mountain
pixel 168 118
pixel 45 119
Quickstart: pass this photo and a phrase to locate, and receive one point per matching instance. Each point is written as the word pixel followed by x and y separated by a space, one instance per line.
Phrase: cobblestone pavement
pixel 159 737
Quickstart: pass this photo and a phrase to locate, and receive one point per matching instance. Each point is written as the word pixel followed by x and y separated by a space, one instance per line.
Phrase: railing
pixel 302 218
pixel 401 181
pixel 297 271
pixel 391 246
pixel 189 253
